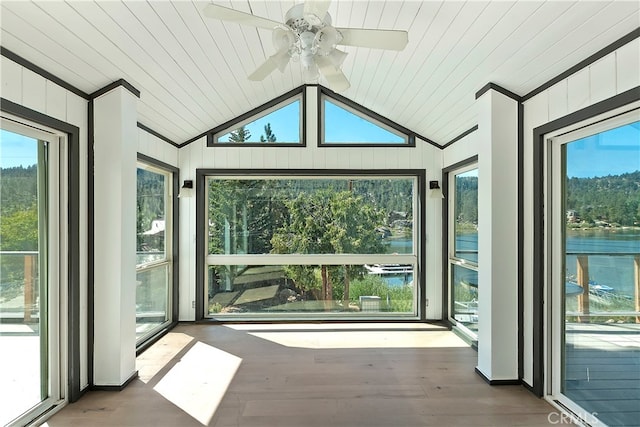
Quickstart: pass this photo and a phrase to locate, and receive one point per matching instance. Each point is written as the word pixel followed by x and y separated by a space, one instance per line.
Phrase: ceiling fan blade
pixel 226 14
pixel 376 39
pixel 281 59
pixel 316 7
pixel 338 81
pixel 277 61
pixel 333 75
pixel 267 67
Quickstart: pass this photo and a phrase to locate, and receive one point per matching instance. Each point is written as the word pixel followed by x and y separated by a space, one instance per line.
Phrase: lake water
pixel 399 246
pixel 614 271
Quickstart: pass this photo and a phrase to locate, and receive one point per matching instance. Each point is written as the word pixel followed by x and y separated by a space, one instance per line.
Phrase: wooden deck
pixel 603 370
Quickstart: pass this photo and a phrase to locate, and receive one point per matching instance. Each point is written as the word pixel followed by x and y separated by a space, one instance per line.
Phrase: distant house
pixel 572 216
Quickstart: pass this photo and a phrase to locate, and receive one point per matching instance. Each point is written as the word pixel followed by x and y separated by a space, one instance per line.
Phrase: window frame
pixel 58 222
pixel 449 260
pixel 614 105
pixel 325 94
pixel 298 94
pixel 451 254
pixel 204 259
pixel 171 248
pixel 554 166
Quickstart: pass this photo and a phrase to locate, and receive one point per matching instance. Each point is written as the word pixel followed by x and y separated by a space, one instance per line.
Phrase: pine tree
pixel 268 136
pixel 240 135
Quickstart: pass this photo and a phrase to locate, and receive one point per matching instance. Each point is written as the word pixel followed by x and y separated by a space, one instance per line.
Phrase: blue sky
pixel 345 127
pixel 613 152
pixel 285 125
pixel 17 150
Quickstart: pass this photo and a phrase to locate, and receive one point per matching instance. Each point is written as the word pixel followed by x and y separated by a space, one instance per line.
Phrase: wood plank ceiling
pixel 191 70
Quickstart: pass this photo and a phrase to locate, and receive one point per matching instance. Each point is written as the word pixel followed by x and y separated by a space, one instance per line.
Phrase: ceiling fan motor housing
pixel 313 35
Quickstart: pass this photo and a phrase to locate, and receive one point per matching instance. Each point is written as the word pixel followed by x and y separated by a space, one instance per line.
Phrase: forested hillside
pixel 467 200
pixel 150 206
pixel 19 208
pixel 19 187
pixel 613 199
pixel 610 199
pixel 257 208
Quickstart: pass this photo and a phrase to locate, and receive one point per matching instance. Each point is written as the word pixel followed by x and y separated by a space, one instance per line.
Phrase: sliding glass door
pixel 594 176
pixel 32 269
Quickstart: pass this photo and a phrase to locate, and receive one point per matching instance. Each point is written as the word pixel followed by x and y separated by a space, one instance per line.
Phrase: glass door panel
pixel 26 365
pixel 597 279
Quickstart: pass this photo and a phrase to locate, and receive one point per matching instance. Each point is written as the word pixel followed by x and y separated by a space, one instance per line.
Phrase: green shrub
pixel 392 298
pixel 215 307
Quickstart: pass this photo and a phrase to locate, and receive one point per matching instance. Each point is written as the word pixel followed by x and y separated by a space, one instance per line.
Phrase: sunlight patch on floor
pixel 156 357
pixel 347 326
pixel 363 339
pixel 199 381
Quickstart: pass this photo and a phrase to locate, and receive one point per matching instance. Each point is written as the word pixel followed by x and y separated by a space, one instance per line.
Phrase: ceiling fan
pixel 308 36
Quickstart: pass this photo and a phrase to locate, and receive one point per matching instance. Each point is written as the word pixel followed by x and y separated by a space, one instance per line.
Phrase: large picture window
pixel 307 245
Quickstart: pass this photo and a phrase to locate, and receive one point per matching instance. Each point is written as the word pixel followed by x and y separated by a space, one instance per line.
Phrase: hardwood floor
pixel 389 375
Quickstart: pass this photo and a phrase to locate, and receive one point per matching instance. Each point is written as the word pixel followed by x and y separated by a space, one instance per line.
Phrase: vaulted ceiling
pixel 191 70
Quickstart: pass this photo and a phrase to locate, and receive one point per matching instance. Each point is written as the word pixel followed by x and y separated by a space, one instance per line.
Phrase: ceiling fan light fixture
pixel 283 39
pixel 307 42
pixel 313 20
pixel 326 40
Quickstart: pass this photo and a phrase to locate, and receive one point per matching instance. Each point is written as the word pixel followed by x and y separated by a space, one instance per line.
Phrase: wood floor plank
pixel 284 382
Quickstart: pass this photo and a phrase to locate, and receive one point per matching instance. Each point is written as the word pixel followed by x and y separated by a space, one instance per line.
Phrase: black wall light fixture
pixel 187 187
pixel 436 191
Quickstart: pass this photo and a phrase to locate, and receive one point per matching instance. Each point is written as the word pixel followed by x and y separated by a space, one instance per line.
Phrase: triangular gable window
pixel 277 123
pixel 347 124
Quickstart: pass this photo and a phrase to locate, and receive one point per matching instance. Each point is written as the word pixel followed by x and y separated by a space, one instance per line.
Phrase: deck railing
pixel 584 312
pixel 15 274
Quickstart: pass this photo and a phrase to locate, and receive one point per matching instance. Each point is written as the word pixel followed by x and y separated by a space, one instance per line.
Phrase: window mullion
pixel 310 259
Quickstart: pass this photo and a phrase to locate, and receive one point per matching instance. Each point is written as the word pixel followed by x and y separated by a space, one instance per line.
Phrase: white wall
pixel 24 87
pixel 115 129
pixel 609 76
pixel 460 150
pixel 197 155
pixel 154 147
pixel 497 241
